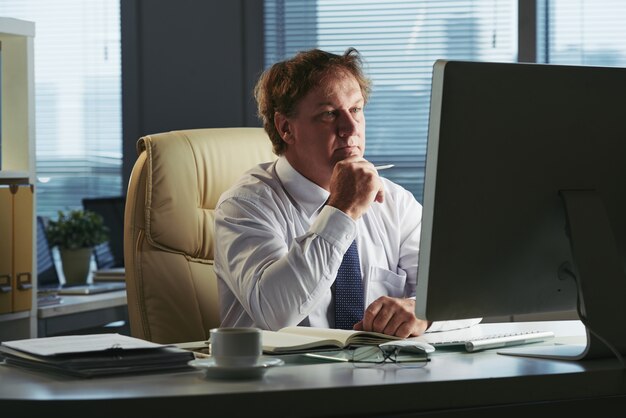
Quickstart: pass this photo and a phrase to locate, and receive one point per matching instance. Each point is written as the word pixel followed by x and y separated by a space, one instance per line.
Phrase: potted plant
pixel 76 233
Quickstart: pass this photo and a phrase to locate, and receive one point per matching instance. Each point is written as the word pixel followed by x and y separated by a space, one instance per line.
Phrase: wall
pixel 188 64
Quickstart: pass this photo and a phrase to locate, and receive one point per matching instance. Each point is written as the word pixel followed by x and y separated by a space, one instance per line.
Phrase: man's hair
pixel 284 84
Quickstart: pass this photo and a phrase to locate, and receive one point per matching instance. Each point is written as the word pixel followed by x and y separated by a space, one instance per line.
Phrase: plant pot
pixel 76 264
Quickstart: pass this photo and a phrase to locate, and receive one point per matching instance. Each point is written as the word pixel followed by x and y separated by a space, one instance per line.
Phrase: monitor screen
pixel 525 193
pixel 112 211
pixel 46 270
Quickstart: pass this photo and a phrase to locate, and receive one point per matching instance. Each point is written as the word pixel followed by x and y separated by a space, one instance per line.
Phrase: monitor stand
pixel 601 282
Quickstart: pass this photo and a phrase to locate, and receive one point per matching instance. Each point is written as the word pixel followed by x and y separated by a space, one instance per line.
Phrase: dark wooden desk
pixel 483 384
pixel 79 313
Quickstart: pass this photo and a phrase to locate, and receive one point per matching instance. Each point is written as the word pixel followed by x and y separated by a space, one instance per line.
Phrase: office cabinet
pixel 18 261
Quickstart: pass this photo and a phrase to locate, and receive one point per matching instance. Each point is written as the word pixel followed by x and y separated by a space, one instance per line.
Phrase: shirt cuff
pixel 335 227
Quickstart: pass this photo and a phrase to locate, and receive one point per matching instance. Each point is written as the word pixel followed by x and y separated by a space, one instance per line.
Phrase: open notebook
pixel 48 279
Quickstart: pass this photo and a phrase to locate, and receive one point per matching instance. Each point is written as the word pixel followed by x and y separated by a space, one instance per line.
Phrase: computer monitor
pixel 46 269
pixel 524 205
pixel 111 209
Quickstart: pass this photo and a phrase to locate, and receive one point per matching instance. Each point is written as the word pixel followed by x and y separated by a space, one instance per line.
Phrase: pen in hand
pixel 383 167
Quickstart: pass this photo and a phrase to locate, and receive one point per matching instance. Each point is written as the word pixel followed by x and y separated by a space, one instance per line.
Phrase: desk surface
pixel 78 313
pixel 83 303
pixel 452 382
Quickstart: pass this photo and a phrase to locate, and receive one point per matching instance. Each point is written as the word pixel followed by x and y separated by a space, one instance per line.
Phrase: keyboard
pixel 485 342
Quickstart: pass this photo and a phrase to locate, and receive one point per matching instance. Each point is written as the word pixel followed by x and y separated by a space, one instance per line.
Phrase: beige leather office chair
pixel 168 227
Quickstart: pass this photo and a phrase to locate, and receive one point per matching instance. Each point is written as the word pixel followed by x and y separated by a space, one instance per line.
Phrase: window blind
pixel 78 71
pixel 399 41
pixel 583 32
pixel 77 99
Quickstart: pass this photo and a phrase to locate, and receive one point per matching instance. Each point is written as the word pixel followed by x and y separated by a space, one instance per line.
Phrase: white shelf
pixel 18 96
pixel 16 27
pixel 14 174
pixel 13 316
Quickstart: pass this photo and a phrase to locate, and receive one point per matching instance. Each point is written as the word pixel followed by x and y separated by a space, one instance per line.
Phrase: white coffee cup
pixel 236 347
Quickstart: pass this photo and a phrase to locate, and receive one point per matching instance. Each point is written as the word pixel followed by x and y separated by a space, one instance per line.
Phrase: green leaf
pixel 77 229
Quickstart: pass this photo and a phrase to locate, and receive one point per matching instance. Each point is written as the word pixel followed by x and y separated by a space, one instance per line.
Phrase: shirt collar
pixel 309 195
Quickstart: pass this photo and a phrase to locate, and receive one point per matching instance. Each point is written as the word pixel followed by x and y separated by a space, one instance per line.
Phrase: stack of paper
pixel 94 355
pixel 47 299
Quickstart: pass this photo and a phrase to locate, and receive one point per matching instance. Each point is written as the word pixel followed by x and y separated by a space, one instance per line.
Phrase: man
pixel 283 229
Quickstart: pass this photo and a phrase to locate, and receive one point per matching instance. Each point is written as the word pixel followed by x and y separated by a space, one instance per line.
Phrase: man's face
pixel 328 126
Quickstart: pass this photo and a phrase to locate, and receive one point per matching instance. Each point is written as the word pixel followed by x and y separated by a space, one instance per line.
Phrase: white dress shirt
pixel 278 249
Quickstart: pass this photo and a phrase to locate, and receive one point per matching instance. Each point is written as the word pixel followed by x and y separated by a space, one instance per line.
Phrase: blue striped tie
pixel 349 302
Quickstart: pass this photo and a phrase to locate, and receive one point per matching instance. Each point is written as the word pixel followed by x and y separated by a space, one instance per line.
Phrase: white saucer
pixel 212 370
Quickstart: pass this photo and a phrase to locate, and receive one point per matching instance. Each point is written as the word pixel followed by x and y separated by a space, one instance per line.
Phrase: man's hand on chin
pixel 354 185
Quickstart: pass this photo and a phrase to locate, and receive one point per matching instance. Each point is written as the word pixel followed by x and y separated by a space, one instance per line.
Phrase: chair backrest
pixel 169 223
